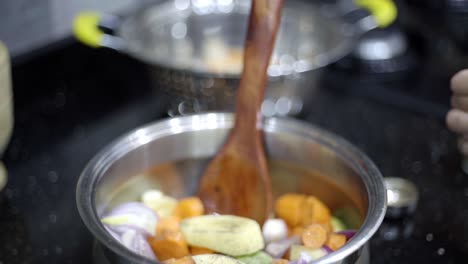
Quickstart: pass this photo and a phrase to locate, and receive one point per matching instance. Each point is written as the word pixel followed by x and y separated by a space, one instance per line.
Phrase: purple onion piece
pixel 348 234
pixel 136 242
pixel 120 229
pixel 133 208
pixel 304 259
pixel 278 248
pixel 327 249
pixel 145 218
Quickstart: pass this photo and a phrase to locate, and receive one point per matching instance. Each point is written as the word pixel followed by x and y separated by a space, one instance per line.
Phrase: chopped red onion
pixel 303 259
pixel 132 215
pixel 327 249
pixel 136 242
pixel 348 234
pixel 278 248
pixel 132 207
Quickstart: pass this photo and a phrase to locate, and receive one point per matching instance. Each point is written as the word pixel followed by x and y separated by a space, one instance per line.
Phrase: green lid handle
pixel 86 29
pixel 384 11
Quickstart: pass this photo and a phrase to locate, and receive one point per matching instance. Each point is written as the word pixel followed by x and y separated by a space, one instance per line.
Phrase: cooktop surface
pixel 72 102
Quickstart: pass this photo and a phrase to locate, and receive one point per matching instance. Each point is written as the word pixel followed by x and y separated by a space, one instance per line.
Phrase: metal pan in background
pixel 194 49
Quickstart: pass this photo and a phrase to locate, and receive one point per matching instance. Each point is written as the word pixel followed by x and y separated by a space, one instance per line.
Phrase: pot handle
pixel 384 11
pixel 87 29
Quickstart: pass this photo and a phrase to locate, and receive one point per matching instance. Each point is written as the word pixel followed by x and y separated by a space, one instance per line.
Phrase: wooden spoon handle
pixel 263 25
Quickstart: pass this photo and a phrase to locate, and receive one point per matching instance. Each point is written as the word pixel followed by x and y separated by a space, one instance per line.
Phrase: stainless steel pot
pixel 184 144
pixel 194 48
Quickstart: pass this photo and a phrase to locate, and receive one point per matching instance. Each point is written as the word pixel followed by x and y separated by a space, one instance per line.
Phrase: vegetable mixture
pixel 173 231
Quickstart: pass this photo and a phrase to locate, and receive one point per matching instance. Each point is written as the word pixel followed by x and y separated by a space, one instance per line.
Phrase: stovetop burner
pixel 407 65
pixel 381 53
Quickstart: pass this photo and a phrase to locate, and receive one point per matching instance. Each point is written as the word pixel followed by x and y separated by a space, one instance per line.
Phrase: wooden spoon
pixel 237 181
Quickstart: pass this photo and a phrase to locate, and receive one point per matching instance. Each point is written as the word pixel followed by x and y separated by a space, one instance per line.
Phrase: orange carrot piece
pixel 200 250
pixel 335 241
pixel 327 227
pixel 289 207
pixel 169 245
pixel 280 261
pixel 167 224
pixel 296 231
pixel 315 212
pixel 314 236
pixel 189 207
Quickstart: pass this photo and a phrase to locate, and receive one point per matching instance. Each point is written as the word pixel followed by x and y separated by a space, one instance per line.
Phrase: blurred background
pixel 385 89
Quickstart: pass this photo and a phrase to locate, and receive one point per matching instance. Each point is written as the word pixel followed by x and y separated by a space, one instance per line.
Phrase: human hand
pixel 457 117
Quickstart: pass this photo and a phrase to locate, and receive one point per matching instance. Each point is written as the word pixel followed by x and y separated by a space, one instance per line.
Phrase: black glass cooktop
pixel 72 102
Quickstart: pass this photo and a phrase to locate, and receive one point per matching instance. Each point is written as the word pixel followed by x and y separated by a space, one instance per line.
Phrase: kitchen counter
pixel 72 102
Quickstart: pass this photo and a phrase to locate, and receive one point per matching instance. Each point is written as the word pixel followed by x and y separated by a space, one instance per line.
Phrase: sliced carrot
pixel 200 250
pixel 169 245
pixel 167 224
pixel 327 227
pixel 296 231
pixel 184 260
pixel 289 207
pixel 315 212
pixel 314 236
pixel 189 207
pixel 280 261
pixel 335 241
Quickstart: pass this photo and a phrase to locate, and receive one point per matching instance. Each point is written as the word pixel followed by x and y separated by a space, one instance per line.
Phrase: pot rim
pixel 356 159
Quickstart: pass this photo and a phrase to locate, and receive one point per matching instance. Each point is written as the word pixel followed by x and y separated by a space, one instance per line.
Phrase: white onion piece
pixel 136 242
pixel 274 230
pixel 304 258
pixel 348 234
pixel 132 215
pixel 156 200
pixel 132 207
pixel 277 249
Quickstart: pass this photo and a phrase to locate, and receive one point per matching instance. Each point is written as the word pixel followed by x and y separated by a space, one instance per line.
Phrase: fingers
pixel 457 118
pixel 463 145
pixel 459 83
pixel 460 102
pixel 457 121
